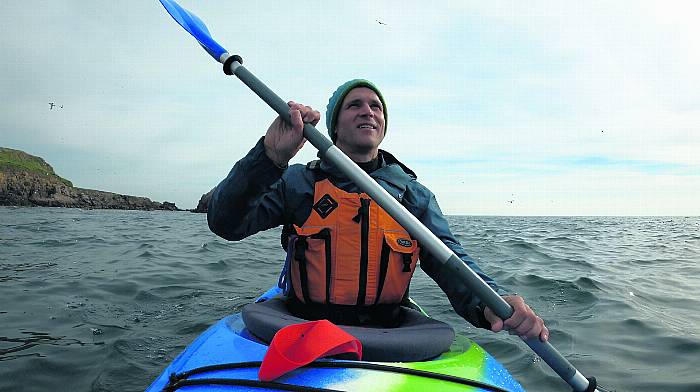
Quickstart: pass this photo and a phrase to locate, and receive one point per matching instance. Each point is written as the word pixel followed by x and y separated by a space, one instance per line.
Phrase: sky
pixel 501 108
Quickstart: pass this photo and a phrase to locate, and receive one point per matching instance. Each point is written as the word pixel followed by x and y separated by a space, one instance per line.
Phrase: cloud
pixel 535 99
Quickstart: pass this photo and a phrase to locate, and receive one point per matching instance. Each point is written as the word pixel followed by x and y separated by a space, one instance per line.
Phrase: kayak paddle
pixel 451 263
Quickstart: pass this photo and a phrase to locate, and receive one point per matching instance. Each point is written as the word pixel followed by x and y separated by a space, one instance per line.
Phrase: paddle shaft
pixel 451 263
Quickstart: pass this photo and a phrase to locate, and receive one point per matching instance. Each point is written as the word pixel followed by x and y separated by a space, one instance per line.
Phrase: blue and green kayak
pixel 227 357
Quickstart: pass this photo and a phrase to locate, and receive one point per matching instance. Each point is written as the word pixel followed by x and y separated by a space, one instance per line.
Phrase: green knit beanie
pixel 334 103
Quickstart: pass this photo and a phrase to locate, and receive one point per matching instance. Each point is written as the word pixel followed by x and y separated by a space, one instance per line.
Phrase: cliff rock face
pixel 26 180
pixel 203 204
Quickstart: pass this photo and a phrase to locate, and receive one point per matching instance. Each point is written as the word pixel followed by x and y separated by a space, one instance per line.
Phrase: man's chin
pixel 366 147
pixel 358 149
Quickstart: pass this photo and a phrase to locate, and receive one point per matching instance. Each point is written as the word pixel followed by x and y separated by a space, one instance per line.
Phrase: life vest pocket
pixel 398 261
pixel 311 262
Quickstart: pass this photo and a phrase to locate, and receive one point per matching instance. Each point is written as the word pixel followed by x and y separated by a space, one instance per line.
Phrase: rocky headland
pixel 203 204
pixel 27 180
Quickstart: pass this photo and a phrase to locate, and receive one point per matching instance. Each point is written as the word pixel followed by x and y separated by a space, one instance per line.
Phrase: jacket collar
pixel 390 170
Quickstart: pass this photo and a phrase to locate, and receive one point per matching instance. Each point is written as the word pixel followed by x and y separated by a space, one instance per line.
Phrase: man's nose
pixel 366 110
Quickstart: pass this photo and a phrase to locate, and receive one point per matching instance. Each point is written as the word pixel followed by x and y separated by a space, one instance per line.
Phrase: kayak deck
pixel 229 342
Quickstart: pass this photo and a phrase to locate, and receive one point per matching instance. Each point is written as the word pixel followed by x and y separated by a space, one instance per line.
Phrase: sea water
pixel 104 300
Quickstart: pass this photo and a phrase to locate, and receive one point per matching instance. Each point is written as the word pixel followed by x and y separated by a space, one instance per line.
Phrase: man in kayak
pixel 347 260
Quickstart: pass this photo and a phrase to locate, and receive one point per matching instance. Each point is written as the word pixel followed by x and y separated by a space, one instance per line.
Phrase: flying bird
pixel 52 105
pixel 380 22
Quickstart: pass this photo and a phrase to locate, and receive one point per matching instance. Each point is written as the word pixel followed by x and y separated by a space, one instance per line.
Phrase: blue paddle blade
pixel 195 27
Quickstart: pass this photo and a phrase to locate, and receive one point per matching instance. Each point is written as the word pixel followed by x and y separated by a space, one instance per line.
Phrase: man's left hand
pixel 524 322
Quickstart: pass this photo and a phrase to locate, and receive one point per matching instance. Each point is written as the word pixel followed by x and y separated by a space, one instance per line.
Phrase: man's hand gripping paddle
pixel 450 262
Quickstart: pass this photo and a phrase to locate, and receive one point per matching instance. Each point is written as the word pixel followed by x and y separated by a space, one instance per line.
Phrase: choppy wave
pixel 103 300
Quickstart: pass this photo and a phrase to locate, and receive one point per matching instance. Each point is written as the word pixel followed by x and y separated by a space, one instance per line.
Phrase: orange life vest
pixel 350 251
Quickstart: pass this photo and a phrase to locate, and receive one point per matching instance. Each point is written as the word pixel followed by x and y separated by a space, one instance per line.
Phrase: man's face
pixel 360 124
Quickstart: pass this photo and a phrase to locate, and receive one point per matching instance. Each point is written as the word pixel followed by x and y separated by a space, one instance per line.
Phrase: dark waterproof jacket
pixel 257 195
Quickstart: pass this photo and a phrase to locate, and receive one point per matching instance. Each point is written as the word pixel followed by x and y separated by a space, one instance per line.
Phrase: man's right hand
pixel 282 140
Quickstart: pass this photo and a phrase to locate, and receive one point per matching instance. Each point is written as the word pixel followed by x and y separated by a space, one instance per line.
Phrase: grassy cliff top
pixel 15 159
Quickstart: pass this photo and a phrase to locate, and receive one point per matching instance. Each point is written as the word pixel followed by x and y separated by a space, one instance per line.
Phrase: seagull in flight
pixel 52 105
pixel 380 22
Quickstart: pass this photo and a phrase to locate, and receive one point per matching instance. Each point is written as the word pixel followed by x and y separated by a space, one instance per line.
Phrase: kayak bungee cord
pixel 235 382
pixel 451 263
pixel 176 378
pixel 252 383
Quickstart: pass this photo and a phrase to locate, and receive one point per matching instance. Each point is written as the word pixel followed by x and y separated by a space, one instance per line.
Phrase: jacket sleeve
pixel 465 303
pixel 250 199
